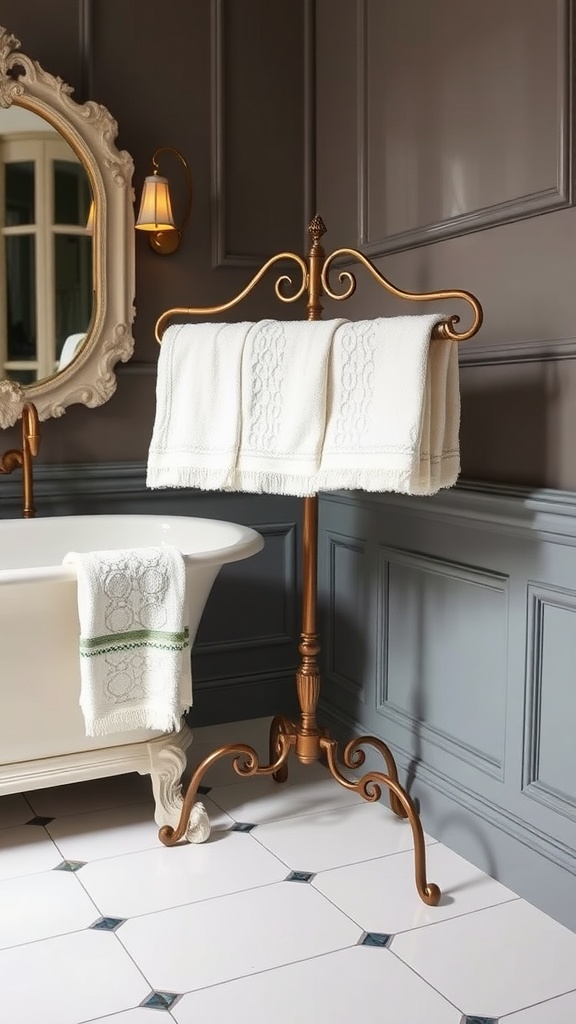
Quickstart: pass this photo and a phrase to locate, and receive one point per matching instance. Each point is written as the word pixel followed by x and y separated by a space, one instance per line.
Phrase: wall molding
pixel 545 513
pixel 221 255
pixel 556 197
pixel 287 531
pixel 511 353
pixel 539 598
pixel 541 513
pixel 345 682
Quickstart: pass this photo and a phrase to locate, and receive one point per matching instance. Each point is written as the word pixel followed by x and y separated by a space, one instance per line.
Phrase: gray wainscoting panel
pixel 347 613
pixel 247 645
pixel 462 608
pixel 438 676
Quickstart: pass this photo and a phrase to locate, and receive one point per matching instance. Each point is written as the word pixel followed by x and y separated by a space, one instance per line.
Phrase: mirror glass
pixel 66 243
pixel 46 254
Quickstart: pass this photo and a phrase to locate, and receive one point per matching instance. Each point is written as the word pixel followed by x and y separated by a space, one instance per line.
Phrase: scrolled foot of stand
pixel 370 788
pixel 431 894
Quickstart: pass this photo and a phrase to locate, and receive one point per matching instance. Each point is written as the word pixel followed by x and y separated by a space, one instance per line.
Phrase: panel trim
pixel 288 532
pixel 531 513
pixel 229 699
pixel 554 198
pixel 513 352
pixel 347 683
pixel 426 732
pixel 539 597
pixel 221 256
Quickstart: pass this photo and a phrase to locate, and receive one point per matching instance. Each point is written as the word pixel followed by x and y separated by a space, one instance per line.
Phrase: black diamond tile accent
pixel 39 820
pixel 480 1020
pixel 107 924
pixel 242 826
pixel 375 939
pixel 204 790
pixel 160 1000
pixel 70 865
pixel 299 876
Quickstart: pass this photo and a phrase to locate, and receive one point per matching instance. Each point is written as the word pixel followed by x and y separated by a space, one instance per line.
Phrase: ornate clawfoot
pixel 245 763
pixel 370 789
pixel 167 763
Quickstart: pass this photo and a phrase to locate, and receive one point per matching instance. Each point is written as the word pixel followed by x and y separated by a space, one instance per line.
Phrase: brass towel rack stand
pixel 308 741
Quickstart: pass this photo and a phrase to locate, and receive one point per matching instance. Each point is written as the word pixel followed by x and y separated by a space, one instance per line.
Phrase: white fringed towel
pixel 393 410
pixel 134 644
pixel 197 424
pixel 284 383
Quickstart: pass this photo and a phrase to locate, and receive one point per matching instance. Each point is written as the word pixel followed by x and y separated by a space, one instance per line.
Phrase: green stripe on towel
pixel 90 647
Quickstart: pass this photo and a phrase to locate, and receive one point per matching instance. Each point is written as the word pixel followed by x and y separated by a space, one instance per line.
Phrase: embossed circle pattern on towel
pixel 152 616
pixel 152 580
pixel 119 617
pixel 117 584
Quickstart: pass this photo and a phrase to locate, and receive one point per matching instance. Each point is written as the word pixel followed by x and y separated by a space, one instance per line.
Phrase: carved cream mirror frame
pixel 91 131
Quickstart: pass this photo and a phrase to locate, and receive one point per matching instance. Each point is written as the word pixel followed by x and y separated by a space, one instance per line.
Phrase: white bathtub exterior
pixel 42 736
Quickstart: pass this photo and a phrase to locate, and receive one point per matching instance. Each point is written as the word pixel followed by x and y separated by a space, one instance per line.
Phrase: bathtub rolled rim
pixel 247 543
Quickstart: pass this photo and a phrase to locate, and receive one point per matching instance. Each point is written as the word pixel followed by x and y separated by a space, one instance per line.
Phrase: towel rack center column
pixel 305 738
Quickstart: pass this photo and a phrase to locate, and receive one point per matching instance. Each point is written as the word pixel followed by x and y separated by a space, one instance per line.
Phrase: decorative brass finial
pixel 317 228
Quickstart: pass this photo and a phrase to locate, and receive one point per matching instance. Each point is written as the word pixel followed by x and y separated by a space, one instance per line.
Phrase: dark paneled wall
pixel 216 86
pixel 444 135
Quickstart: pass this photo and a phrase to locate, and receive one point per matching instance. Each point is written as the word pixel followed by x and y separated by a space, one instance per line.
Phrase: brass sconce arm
pixel 16 457
pixel 155 215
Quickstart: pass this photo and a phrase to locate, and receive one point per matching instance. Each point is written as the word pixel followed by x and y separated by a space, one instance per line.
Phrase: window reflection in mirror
pixel 46 280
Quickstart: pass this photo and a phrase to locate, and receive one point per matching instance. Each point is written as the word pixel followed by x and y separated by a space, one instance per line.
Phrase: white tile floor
pixel 99 922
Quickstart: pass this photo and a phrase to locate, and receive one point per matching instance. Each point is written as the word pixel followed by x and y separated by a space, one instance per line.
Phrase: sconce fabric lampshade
pixel 155 206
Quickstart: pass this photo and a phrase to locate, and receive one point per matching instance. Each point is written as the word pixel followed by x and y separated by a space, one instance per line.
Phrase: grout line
pixel 267 970
pixel 543 1002
pixel 194 903
pixel 456 917
pixel 427 982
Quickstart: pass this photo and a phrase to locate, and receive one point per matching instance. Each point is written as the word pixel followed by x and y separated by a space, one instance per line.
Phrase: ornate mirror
pixel 66 243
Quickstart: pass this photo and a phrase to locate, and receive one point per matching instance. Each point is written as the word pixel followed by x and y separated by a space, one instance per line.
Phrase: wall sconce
pixel 155 214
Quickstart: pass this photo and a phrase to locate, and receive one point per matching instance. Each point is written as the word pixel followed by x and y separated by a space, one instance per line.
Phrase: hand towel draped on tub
pixel 134 644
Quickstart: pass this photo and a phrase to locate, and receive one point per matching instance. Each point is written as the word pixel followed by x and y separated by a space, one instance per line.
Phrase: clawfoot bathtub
pixel 42 737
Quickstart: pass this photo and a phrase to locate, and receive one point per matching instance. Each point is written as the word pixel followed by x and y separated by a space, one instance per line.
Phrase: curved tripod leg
pixel 370 789
pixel 352 757
pixel 280 726
pixel 245 763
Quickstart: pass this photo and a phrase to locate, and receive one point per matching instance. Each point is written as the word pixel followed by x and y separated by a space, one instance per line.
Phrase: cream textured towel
pixel 393 409
pixel 197 423
pixel 134 646
pixel 284 393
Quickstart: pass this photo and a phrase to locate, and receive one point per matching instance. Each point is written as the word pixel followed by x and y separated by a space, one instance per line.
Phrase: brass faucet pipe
pixel 16 457
pixel 30 446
